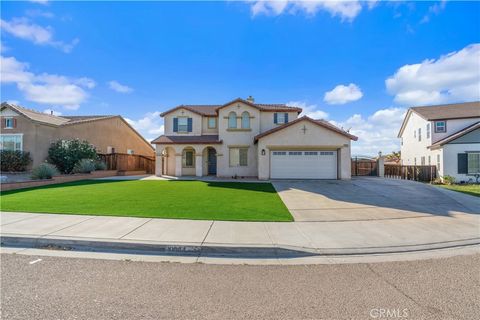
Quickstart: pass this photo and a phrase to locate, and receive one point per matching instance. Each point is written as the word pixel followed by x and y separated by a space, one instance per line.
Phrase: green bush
pixel 65 154
pixel 100 165
pixel 449 180
pixel 44 171
pixel 14 161
pixel 84 166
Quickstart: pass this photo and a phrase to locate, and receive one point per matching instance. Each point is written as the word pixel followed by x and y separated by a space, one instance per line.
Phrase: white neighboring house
pixel 247 139
pixel 447 136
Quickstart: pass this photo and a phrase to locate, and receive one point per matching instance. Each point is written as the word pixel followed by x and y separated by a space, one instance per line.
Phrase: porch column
pixel 178 165
pixel 158 165
pixel 198 164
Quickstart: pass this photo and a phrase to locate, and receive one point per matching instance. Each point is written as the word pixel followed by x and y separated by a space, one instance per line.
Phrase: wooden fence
pixel 417 173
pixel 364 167
pixel 129 162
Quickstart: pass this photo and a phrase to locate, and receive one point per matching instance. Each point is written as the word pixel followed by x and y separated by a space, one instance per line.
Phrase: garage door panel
pixel 303 164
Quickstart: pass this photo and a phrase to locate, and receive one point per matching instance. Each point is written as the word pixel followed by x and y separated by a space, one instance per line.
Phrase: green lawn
pixel 471 189
pixel 157 199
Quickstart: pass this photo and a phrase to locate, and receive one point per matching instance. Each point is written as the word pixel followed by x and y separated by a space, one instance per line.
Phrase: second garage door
pixel 303 164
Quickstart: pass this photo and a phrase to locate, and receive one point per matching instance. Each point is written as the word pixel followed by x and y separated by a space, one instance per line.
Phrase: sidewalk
pixel 242 239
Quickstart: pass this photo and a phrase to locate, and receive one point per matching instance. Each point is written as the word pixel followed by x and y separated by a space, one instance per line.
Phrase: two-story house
pixel 447 136
pixel 32 131
pixel 247 139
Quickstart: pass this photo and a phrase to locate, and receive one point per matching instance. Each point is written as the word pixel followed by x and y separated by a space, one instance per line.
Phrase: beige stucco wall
pixel 112 132
pixel 196 122
pixel 206 129
pixel 238 138
pixel 315 138
pixel 36 137
pixel 266 120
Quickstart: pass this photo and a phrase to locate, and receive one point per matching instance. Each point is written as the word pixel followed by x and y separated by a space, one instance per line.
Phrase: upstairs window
pixel 245 120
pixel 182 124
pixel 232 120
pixel 419 134
pixel 212 122
pixel 9 123
pixel 428 130
pixel 280 118
pixel 440 126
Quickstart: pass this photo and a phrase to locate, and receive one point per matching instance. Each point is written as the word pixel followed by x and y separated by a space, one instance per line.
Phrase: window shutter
pixel 4 123
pixel 14 122
pixel 189 125
pixel 286 117
pixel 462 162
pixel 275 118
pixel 175 124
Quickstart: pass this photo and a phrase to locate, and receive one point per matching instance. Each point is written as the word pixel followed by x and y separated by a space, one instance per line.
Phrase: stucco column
pixel 178 165
pixel 158 165
pixel 381 166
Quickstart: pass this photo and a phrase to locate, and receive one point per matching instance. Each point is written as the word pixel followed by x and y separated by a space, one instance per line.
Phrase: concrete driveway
pixel 371 198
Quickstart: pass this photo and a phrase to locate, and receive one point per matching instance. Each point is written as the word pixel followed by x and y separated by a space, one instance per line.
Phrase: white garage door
pixel 303 164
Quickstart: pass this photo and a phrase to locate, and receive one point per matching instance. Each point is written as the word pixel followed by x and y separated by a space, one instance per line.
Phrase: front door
pixel 212 161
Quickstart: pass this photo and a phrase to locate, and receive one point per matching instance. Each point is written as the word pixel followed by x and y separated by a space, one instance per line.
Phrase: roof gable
pixel 321 123
pixel 457 135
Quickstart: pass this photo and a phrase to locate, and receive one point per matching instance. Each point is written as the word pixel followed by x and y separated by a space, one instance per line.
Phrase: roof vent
pixel 250 99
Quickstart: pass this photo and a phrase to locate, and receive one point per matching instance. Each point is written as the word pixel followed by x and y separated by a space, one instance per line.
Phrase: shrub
pixel 448 180
pixel 100 165
pixel 44 171
pixel 14 161
pixel 84 166
pixel 66 153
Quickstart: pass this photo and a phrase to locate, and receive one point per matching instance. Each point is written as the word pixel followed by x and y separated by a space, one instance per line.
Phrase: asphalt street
pixel 35 287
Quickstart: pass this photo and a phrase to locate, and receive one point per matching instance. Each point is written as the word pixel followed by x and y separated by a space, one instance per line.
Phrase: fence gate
pixel 364 167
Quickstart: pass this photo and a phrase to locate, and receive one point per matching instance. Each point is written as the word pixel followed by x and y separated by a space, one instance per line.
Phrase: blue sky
pixel 357 64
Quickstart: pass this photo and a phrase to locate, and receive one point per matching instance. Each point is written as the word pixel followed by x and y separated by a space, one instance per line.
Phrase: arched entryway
pixel 210 156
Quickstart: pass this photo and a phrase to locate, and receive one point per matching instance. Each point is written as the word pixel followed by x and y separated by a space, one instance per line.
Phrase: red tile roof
pixel 212 109
pixel 205 139
pixel 322 123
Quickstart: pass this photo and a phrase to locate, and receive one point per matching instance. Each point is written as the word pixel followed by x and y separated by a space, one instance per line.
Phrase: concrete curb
pixel 213 250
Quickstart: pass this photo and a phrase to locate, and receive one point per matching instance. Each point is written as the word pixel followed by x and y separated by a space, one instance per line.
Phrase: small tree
pixel 65 154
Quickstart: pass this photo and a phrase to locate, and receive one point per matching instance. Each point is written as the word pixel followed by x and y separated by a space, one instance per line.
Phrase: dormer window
pixel 440 126
pixel 280 118
pixel 232 120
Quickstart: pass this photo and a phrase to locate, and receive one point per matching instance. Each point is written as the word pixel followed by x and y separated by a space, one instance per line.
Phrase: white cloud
pixel 51 111
pixel 40 13
pixel 342 94
pixel 346 10
pixel 150 126
pixel 453 77
pixel 45 88
pixel 116 86
pixel 309 110
pixel 434 9
pixel 376 132
pixel 22 28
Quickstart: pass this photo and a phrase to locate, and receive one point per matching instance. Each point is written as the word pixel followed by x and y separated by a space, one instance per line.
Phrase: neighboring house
pixel 27 130
pixel 247 139
pixel 447 136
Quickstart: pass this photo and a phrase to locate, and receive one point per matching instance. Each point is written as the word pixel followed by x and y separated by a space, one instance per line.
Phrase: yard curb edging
pixel 214 250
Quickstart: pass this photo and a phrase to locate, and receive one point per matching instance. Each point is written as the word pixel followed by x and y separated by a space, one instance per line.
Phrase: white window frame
pixel 245 120
pixel 444 126
pixel 232 120
pixel 7 120
pixel 182 127
pixel 234 155
pixel 20 135
pixel 473 155
pixel 428 130
pixel 281 117
pixel 214 122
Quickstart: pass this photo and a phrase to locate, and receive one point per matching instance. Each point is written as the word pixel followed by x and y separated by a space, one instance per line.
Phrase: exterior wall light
pixel 263 152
